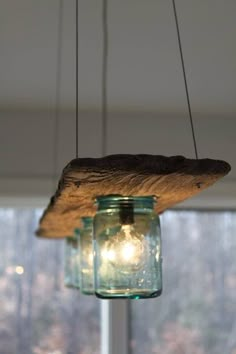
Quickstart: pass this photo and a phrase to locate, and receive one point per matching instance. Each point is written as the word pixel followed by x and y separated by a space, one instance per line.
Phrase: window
pixel 38 314
pixel 197 312
pixel 195 315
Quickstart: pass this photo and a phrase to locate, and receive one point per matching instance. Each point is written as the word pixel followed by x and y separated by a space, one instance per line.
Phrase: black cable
pixel 185 80
pixel 77 82
pixel 104 76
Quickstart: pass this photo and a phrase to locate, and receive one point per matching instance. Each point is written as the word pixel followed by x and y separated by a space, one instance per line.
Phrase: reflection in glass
pixel 86 256
pixel 72 261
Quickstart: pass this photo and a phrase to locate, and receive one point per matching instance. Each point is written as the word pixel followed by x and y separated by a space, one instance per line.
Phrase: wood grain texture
pixel 170 179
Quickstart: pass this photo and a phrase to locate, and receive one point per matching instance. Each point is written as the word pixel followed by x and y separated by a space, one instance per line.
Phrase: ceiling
pixel 146 96
pixel 144 62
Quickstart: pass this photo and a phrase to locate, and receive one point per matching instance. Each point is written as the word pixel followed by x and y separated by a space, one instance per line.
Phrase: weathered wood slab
pixel 171 179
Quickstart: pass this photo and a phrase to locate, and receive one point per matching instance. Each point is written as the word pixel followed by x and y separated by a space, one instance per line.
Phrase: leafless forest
pixel 195 315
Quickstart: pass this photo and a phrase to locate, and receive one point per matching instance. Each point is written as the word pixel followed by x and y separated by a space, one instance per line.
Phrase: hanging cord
pixel 76 82
pixel 58 90
pixel 185 80
pixel 104 76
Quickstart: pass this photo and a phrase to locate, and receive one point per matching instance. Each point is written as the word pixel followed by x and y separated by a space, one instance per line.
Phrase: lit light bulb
pixel 126 251
pixel 127 248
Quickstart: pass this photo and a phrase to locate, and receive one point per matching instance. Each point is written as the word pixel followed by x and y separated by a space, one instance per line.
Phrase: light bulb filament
pixel 126 251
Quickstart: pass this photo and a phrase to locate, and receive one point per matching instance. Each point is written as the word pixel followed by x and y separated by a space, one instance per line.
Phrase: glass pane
pixel 38 315
pixel 196 313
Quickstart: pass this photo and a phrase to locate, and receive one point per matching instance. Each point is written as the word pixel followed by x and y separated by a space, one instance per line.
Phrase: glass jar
pixel 86 256
pixel 72 261
pixel 127 244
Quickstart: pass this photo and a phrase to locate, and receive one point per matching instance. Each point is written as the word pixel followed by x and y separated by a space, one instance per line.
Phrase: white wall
pixel 27 142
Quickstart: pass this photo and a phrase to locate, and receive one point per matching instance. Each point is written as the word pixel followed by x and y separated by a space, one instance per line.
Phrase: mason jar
pixel 72 261
pixel 86 256
pixel 127 245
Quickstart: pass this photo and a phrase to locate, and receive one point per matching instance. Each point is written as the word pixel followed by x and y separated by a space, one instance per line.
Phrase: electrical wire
pixel 76 81
pixel 185 80
pixel 104 75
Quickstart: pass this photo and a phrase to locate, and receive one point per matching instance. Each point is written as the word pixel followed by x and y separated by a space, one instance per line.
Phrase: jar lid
pixel 114 201
pixel 87 220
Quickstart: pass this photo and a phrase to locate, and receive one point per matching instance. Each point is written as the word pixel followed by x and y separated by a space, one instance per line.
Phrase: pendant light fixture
pixel 127 248
pixel 130 191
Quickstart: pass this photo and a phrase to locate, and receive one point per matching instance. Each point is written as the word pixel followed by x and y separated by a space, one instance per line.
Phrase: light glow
pixel 19 270
pixel 126 251
pixel 158 251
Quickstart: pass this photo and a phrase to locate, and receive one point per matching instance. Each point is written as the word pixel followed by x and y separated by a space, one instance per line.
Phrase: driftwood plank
pixel 170 179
